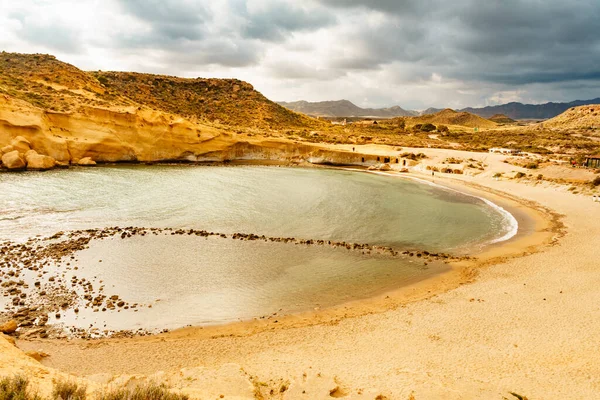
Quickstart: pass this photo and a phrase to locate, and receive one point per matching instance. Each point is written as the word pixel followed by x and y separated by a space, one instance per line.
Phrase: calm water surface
pixel 205 281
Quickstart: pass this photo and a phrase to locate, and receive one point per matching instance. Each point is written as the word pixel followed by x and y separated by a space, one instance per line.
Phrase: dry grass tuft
pixel 64 390
pixel 15 388
pixel 148 392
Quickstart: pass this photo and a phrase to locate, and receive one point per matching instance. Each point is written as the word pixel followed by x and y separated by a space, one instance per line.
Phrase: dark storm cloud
pixel 513 41
pixel 184 35
pixel 401 7
pixel 189 30
pixel 283 69
pixel 219 51
pixel 279 20
pixel 170 19
pixel 392 40
pixel 478 47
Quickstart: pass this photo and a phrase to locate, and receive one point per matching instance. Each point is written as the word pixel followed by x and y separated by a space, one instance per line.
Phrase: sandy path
pixel 529 325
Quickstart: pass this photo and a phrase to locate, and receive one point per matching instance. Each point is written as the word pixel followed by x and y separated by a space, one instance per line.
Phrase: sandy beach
pixel 523 324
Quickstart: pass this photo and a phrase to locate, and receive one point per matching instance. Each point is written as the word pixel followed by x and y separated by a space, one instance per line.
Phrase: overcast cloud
pixel 416 54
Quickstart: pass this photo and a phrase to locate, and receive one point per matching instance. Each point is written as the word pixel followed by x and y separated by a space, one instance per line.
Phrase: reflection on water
pixel 304 203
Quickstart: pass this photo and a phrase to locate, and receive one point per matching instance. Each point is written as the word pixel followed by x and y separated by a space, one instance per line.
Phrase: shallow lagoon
pixel 200 281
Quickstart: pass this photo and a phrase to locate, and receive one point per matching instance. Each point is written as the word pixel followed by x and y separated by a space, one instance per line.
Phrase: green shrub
pixel 428 128
pixel 519 175
pixel 103 80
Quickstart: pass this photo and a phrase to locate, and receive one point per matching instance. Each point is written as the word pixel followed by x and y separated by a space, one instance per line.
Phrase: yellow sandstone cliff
pixel 75 117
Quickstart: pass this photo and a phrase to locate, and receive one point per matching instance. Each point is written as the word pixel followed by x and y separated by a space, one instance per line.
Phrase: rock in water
pixel 9 327
pixel 86 161
pixel 39 162
pixel 13 160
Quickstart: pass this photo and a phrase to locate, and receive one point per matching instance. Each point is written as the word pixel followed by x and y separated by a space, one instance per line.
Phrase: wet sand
pixel 45 289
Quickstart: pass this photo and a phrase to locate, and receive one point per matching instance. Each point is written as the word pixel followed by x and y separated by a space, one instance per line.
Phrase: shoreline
pixel 463 272
pixel 460 272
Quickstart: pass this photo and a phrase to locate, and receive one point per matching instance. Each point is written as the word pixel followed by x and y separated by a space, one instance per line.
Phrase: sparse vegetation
pixel 225 101
pixel 48 83
pixel 147 392
pixel 65 390
pixel 452 160
pixel 17 388
pixel 596 181
pixel 531 165
pixel 443 129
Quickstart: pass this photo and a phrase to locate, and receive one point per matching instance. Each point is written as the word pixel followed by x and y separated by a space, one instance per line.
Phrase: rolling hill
pixel 501 119
pixel 582 117
pixel 451 117
pixel 227 101
pixel 344 108
pixel 50 84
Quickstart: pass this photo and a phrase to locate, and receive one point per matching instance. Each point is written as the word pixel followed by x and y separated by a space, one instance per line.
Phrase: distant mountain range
pixel 529 111
pixel 345 108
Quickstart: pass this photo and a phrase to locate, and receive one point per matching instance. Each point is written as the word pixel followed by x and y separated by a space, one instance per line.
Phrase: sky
pixel 378 53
